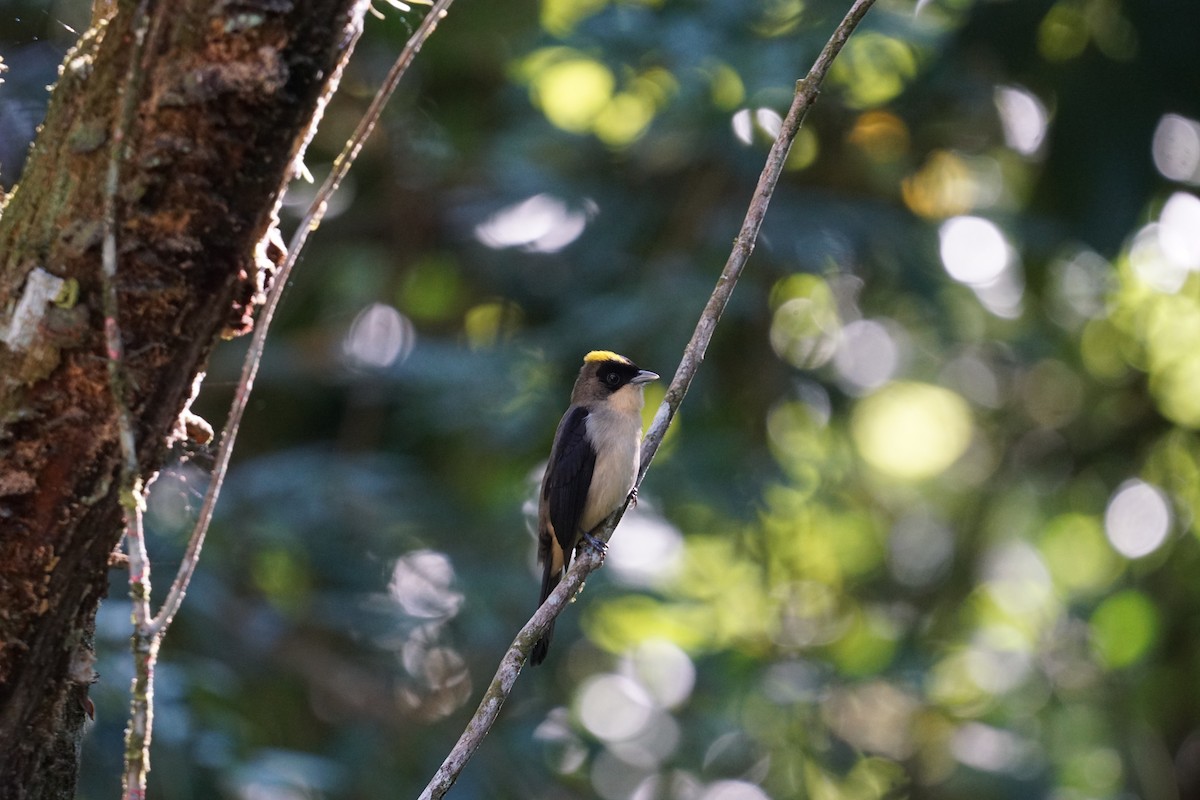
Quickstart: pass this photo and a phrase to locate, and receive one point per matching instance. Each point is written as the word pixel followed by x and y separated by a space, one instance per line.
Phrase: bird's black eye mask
pixel 614 375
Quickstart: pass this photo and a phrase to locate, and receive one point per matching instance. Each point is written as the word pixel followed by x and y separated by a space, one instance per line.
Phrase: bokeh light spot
pixel 422 584
pixel 733 790
pixel 804 150
pixel 1077 554
pixel 942 187
pixel 726 87
pixel 433 289
pixel 882 136
pixel 488 323
pixel 559 17
pixel 973 250
pixel 664 670
pixel 539 224
pixel 768 121
pixel 1063 32
pixel 911 430
pixel 874 68
pixel 572 92
pixel 379 337
pixel 805 326
pixel 1176 148
pixel 1023 118
pixel 1123 628
pixel 1151 265
pixel 647 552
pixel 778 17
pixel 1179 230
pixel 624 118
pixel 985 747
pixel 613 707
pixel 1138 519
pixel 742 125
pixel 867 356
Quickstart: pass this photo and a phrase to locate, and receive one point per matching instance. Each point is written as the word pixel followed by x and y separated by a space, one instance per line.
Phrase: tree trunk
pixel 226 99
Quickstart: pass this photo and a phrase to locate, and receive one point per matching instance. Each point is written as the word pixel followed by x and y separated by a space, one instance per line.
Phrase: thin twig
pixel 587 560
pixel 309 223
pixel 131 490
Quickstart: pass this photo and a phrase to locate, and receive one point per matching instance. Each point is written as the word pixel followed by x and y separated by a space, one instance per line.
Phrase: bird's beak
pixel 644 376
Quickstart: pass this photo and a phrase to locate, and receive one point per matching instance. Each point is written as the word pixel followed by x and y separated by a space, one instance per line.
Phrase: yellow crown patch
pixel 606 355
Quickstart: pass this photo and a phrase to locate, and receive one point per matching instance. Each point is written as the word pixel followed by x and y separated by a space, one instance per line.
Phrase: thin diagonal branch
pixel 144 644
pixel 310 222
pixel 587 560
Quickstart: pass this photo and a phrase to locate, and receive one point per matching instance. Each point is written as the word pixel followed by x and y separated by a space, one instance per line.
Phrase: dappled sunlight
pixel 1176 148
pixel 1151 264
pixel 613 707
pixel 422 585
pixel 1179 230
pixel 868 355
pixel 943 186
pixel 1154 316
pixel 1138 519
pixel 539 224
pixel 806 324
pixel 580 95
pixel 663 669
pixel 1023 117
pixel 1123 627
pixel 911 431
pixel 975 252
pixel 1016 591
pixel 1081 283
pixel 570 89
pixel 1071 25
pixel 732 790
pixel 1080 559
pixel 874 68
pixel 924 523
pixel 876 716
pixel 648 550
pixel 882 136
pixel 488 324
pixel 379 337
pixel 725 85
pixel 991 749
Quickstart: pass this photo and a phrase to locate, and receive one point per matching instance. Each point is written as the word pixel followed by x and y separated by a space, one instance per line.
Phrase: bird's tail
pixel 550 579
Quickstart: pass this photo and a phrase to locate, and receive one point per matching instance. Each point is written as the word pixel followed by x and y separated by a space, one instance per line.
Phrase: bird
pixel 593 465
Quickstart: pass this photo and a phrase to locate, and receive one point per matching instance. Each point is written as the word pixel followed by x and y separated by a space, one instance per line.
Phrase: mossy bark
pixel 227 95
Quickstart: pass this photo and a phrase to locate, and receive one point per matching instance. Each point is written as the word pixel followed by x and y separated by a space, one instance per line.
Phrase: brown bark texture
pixel 227 95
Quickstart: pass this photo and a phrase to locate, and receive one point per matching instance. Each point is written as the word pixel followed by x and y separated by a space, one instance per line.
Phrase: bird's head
pixel 612 379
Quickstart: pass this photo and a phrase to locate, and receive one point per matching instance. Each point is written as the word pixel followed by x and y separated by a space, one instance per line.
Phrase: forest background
pixel 926 522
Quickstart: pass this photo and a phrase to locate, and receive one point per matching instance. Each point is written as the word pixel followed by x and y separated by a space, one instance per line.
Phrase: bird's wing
pixel 568 476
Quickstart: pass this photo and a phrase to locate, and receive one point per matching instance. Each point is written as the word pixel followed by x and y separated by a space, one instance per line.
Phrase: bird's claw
pixel 633 497
pixel 597 546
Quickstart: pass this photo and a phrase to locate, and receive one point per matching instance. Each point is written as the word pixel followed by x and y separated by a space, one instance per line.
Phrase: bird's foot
pixel 597 546
pixel 633 497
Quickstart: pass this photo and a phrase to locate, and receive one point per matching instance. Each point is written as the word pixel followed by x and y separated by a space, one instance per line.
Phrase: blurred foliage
pixel 926 524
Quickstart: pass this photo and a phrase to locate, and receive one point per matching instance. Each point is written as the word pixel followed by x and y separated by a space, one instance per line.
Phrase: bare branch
pixel 587 560
pixel 145 647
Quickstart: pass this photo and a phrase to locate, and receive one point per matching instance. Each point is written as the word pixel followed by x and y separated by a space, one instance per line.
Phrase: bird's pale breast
pixel 616 463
